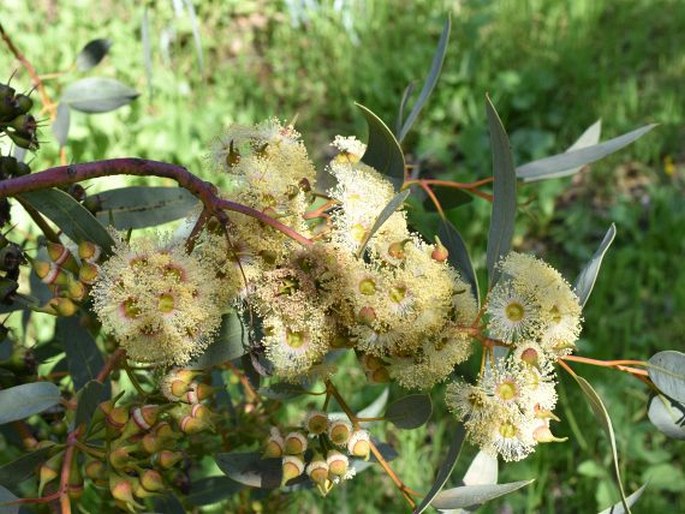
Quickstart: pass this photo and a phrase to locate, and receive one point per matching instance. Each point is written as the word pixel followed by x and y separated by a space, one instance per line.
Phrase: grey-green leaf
pixel 667 370
pixel 83 355
pixel 91 54
pixel 394 204
pixel 25 400
pixel 470 495
pixel 6 499
pixel 98 94
pixel 250 469
pixel 282 391
pixel 142 206
pixel 410 411
pixel 668 415
pixel 618 508
pixel 89 397
pixel 431 80
pixel 602 416
pixel 383 151
pixel 561 164
pixel 374 409
pixel 60 127
pixel 458 255
pixel 501 230
pixel 70 216
pixel 483 470
pixel 14 472
pixel 208 490
pixel 445 469
pixel 587 277
pixel 231 343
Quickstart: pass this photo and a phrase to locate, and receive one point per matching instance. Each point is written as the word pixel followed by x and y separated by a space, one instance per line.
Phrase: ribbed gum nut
pixel 88 273
pixel 146 416
pixel 273 448
pixel 339 431
pixel 76 290
pixel 166 459
pixel 338 464
pixel 295 443
pixel 316 422
pixel 317 470
pixel 359 444
pixel 122 489
pixel 96 470
pixel 439 253
pixel 88 251
pixel 117 417
pixel 292 466
pixel 366 315
pixel 120 459
pixel 152 481
pixel 63 306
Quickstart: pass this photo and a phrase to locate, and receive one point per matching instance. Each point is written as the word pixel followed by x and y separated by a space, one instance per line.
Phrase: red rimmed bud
pixel 338 464
pixel 146 416
pixel 359 444
pixel 198 391
pixel 63 306
pixel 88 251
pixel 316 422
pixel 292 466
pixel 295 443
pixel 117 417
pixel 339 431
pixel 166 459
pixel 439 253
pixel 88 273
pixel 61 256
pixel 274 446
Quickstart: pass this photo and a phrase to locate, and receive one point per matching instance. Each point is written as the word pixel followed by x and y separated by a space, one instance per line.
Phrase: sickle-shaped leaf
pixel 504 195
pixel 448 197
pixel 98 94
pixel 668 415
pixel 431 80
pixel 667 371
pixel 458 255
pixel 394 204
pixel 6 499
pixel 89 397
pixel 251 469
pixel 208 490
pixel 564 163
pixel 15 472
pixel 403 106
pixel 60 127
pixel 383 151
pixel 618 508
pixel 411 411
pixel 587 277
pixel 70 216
pixel 445 469
pixel 470 495
pixel 25 400
pixel 83 355
pixel 91 54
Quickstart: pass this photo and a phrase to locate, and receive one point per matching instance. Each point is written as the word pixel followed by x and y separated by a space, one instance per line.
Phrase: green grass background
pixel 551 67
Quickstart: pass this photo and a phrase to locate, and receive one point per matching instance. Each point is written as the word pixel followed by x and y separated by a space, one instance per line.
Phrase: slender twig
pixel 621 365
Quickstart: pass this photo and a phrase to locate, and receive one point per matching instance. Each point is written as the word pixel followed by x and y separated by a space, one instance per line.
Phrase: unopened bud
pixel 338 464
pixel 359 444
pixel 88 251
pixel 543 434
pixel 146 416
pixel 88 273
pixel 63 306
pixel 274 446
pixel 122 490
pixel 317 470
pixel 396 250
pixel 295 443
pixel 117 417
pixel 166 459
pixel 339 431
pixel 50 470
pixel 292 466
pixel 316 422
pixel 439 253
pixel 120 459
pixel 366 315
pixel 152 481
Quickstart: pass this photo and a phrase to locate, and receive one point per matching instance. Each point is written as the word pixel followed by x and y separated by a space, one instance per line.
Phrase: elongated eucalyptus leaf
pixel 374 409
pixel 431 80
pixel 618 508
pixel 70 216
pixel 250 469
pixel 383 151
pixel 562 164
pixel 471 495
pixel 410 411
pixel 230 344
pixel 501 229
pixel 142 206
pixel 667 371
pixel 602 416
pixel 60 127
pixel 83 356
pixel 394 204
pixel 25 400
pixel 445 469
pixel 6 499
pixel 18 470
pixel 282 391
pixel 483 470
pixel 91 54
pixel 458 255
pixel 403 106
pixel 89 397
pixel 98 94
pixel 196 34
pixel 587 277
pixel 449 198
pixel 668 415
pixel 168 504
pixel 147 50
pixel 208 490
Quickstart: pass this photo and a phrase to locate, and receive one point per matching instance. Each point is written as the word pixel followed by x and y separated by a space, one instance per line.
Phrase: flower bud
pixel 75 482
pixel 379 376
pixel 88 273
pixel 61 256
pixel 339 431
pixel 152 481
pixel 117 417
pixel 146 416
pixel 88 251
pixel 396 249
pixel 122 490
pixel 197 392
pixel 292 466
pixel 50 470
pixel 317 470
pixel 316 422
pixel 295 443
pixel 166 459
pixel 542 434
pixel 439 253
pixel 63 306
pixel 120 459
pixel 366 315
pixel 338 464
pixel 359 444
pixel 96 471
pixel 275 445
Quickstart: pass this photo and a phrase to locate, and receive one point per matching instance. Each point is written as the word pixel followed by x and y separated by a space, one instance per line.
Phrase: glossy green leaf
pixel 25 400
pixel 70 216
pixel 458 255
pixel 410 411
pixel 602 416
pixel 14 472
pixel 6 499
pixel 60 127
pixel 208 490
pixel 431 80
pixel 501 230
pixel 470 495
pixel 394 204
pixel 250 469
pixel 98 94
pixel 91 54
pixel 89 397
pixel 668 415
pixel 230 344
pixel 563 163
pixel 449 198
pixel 83 356
pixel 630 500
pixel 383 151
pixel 142 206
pixel 445 469
pixel 667 371
pixel 587 277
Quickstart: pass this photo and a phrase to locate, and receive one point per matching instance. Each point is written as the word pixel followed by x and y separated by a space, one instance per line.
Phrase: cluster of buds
pixel 181 387
pixel 326 464
pixel 68 278
pixel 15 120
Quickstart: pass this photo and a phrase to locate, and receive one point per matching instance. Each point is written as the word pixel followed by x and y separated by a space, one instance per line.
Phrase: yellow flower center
pixel 397 294
pixel 367 286
pixel 294 339
pixel 358 232
pixel 130 308
pixel 507 430
pixel 514 311
pixel 507 390
pixel 165 303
